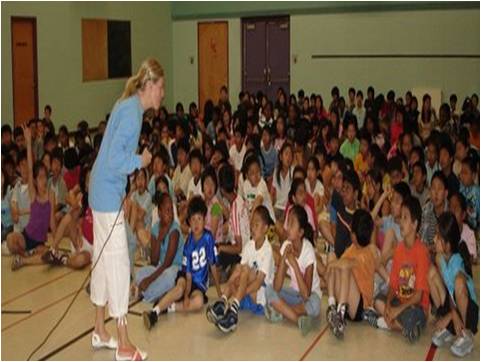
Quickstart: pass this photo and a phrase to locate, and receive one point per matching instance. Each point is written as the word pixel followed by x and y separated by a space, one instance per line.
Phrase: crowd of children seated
pixel 373 202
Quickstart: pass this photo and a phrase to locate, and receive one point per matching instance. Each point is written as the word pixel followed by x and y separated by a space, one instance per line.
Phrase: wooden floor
pixel 46 292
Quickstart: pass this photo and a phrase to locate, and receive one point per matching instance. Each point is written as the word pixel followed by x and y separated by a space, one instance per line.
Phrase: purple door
pixel 265 58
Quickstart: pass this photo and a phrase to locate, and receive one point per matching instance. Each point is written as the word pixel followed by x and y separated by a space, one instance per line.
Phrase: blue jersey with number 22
pixel 198 256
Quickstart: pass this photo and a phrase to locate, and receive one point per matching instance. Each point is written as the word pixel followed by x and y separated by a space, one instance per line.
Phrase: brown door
pixel 213 51
pixel 265 55
pixel 24 69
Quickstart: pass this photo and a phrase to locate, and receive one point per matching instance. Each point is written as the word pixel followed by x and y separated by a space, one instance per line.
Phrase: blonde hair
pixel 150 69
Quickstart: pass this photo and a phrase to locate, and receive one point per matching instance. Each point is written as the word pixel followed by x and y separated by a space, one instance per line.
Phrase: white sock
pixel 331 301
pixel 171 308
pixel 381 323
pixel 156 310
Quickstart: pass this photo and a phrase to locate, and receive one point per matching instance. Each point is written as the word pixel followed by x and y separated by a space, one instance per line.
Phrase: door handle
pixel 268 76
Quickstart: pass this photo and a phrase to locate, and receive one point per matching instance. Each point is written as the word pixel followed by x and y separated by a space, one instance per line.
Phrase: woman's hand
pixel 146 157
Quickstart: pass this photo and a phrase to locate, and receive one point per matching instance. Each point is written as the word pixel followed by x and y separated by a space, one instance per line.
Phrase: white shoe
pixel 97 343
pixel 5 250
pixel 442 337
pixel 137 356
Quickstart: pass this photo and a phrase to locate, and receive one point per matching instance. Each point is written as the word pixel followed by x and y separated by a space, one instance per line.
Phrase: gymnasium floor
pixel 46 292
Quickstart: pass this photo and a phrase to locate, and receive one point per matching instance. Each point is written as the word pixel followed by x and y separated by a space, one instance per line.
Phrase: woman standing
pixel 117 159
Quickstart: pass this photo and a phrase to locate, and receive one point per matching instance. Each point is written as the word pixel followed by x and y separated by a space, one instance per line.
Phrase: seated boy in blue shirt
pixel 200 253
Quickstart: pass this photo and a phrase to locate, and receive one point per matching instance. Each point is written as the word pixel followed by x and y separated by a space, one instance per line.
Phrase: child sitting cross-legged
pixel 192 282
pixel 351 278
pixel 247 282
pixel 301 302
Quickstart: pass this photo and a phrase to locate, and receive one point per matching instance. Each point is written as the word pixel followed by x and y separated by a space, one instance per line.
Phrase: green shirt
pixel 350 150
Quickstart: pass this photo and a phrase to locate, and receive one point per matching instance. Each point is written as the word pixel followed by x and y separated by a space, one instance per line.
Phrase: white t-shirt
pixel 306 258
pixel 195 189
pixel 360 114
pixel 250 193
pixel 282 188
pixel 259 260
pixel 318 188
pixel 237 157
pixel 181 178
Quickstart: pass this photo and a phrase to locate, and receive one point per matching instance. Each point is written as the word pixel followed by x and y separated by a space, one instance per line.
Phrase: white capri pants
pixel 110 280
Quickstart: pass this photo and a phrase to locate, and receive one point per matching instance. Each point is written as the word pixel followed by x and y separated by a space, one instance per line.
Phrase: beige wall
pixel 401 32
pixel 415 32
pixel 60 55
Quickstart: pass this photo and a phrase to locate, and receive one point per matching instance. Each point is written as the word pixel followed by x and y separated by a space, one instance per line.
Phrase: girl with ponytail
pixel 301 301
pixel 460 311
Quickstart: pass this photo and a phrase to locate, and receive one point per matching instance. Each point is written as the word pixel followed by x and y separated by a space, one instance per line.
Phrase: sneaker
pixel 442 337
pixel 330 314
pixel 412 333
pixel 150 319
pixel 216 311
pixel 52 258
pixel 341 324
pixel 463 345
pixel 305 324
pixel 335 321
pixel 228 323
pixel 5 249
pixel 272 315
pixel 17 263
pixel 370 316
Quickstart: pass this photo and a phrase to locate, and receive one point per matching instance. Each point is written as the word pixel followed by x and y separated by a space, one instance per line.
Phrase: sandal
pixel 137 356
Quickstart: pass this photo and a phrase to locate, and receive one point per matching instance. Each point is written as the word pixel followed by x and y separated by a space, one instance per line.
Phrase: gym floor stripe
pixel 314 342
pixel 431 352
pixel 36 288
pixel 77 338
pixel 37 311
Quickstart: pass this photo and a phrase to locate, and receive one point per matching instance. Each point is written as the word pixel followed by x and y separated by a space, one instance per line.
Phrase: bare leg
pixel 436 287
pixel 290 312
pixel 16 243
pixel 462 295
pixel 196 302
pixel 100 324
pixel 79 260
pixel 172 295
pixel 228 288
pixel 247 276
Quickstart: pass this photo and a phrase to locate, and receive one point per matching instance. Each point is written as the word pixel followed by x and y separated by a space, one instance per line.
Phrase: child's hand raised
pixel 27 133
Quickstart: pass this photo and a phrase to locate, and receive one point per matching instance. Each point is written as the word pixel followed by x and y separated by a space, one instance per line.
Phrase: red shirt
pixel 88 226
pixel 72 177
pixel 410 268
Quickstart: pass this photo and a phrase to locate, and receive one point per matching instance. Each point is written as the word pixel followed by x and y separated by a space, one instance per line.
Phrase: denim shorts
pixel 292 297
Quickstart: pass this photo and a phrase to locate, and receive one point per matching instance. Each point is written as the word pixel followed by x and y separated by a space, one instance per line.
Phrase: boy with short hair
pixel 406 304
pixel 182 173
pixel 350 190
pixel 351 278
pixel 200 255
pixel 195 184
pixel 350 147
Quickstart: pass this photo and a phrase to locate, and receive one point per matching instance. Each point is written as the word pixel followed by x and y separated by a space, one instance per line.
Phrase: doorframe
pixel 35 61
pixel 199 106
pixel 286 17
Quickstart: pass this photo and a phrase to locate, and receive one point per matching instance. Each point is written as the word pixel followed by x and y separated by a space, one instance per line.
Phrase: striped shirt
pixel 430 222
pixel 239 220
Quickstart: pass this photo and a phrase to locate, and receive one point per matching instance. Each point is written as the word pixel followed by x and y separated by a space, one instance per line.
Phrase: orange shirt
pixel 363 271
pixel 410 268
